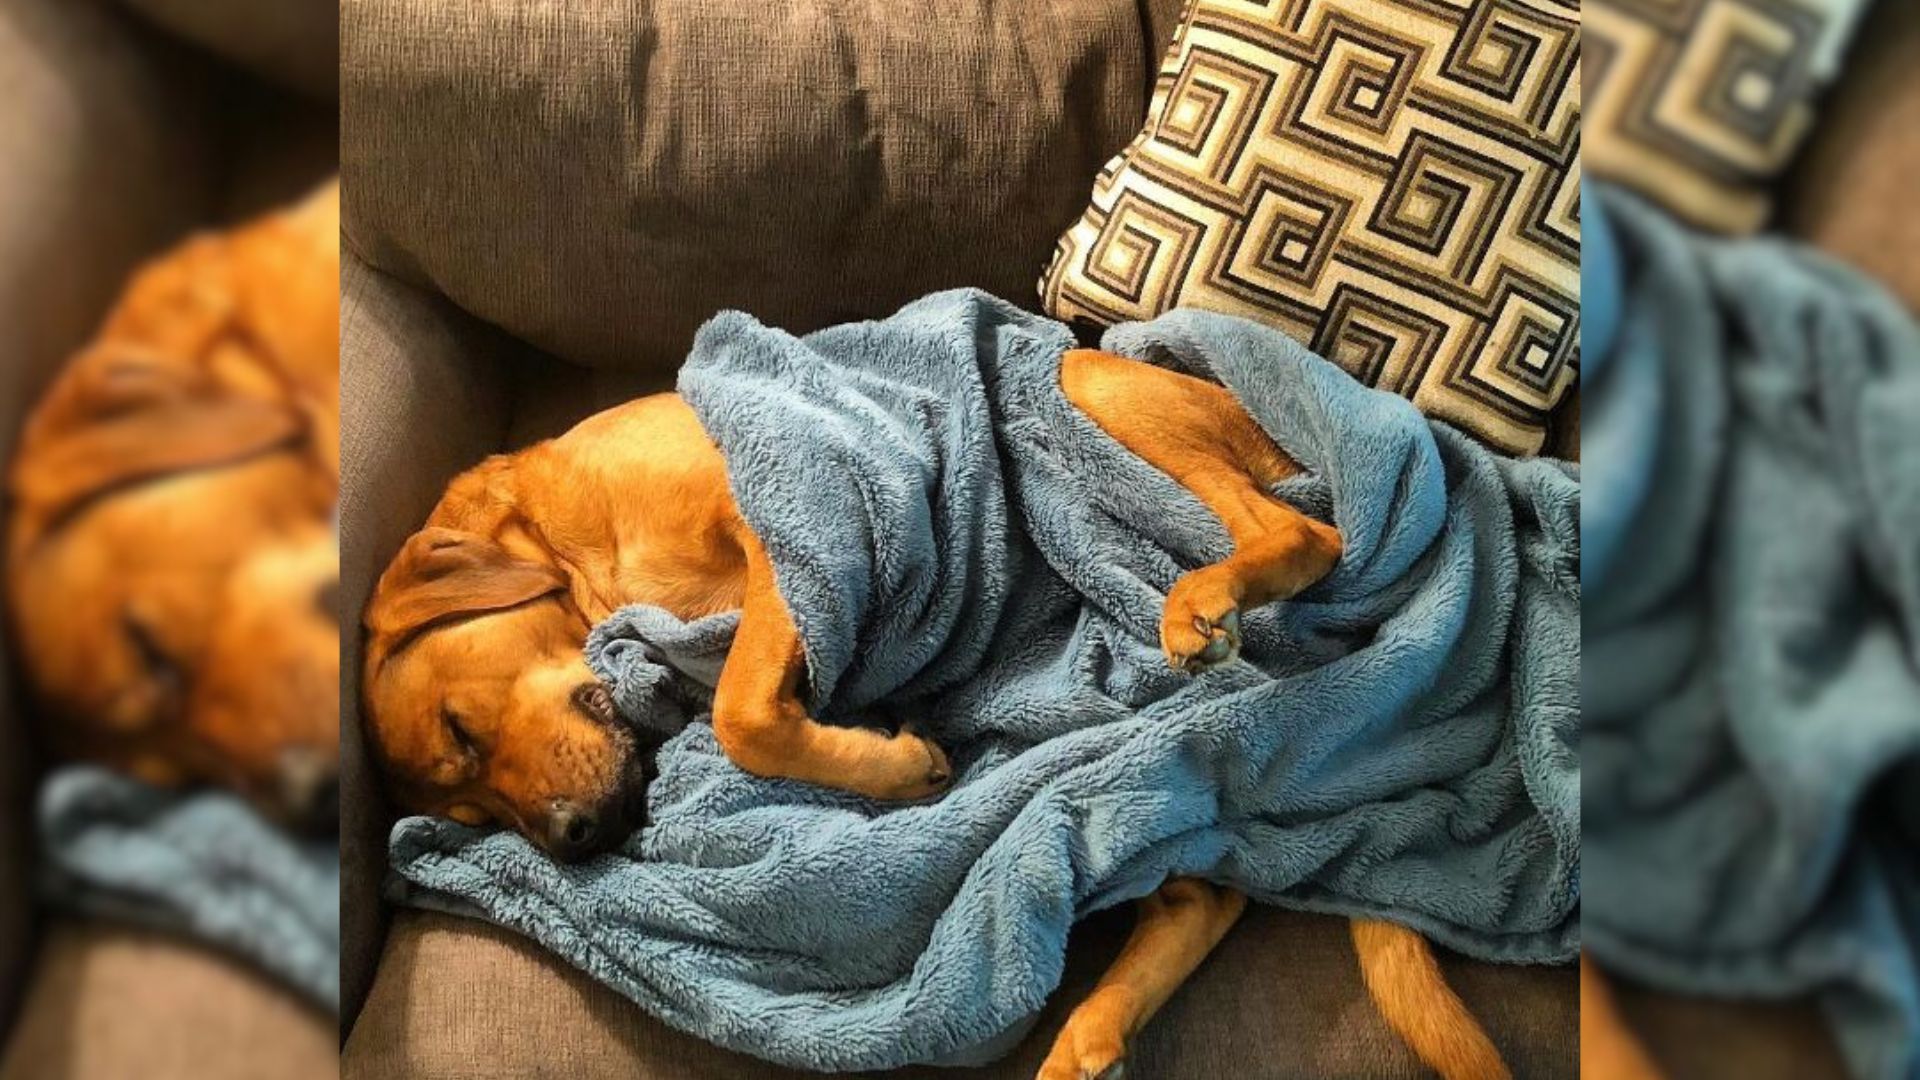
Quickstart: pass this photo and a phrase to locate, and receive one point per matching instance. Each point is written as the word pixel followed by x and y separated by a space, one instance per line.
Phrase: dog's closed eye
pixel 457 730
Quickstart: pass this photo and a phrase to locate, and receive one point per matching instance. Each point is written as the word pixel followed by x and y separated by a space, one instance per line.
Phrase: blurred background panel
pixel 1839 175
pixel 295 43
pixel 123 127
pixel 92 109
pixel 1855 192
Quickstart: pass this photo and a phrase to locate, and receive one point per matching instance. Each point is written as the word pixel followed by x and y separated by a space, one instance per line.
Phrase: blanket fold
pixel 962 548
pixel 1752 670
pixel 202 864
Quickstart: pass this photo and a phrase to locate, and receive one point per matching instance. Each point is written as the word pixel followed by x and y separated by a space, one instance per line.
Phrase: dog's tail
pixel 1407 987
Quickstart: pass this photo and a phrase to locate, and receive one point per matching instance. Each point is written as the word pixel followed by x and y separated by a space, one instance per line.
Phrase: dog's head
pixel 172 564
pixel 480 705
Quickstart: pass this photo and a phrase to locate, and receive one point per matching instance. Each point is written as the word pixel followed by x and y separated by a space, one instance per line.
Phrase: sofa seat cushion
pixel 1282 997
pixel 108 1002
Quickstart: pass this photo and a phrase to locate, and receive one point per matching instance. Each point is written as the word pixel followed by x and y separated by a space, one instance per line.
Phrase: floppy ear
pixel 441 573
pixel 125 417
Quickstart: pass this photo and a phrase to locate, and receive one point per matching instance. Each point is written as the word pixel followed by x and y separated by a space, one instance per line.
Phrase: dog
pixel 481 708
pixel 172 568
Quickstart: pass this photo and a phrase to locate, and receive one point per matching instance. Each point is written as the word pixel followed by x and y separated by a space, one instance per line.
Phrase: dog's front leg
pixel 761 724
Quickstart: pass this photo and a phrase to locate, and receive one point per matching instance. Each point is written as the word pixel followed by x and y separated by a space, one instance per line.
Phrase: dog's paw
pixel 1090 1047
pixel 907 766
pixel 1200 626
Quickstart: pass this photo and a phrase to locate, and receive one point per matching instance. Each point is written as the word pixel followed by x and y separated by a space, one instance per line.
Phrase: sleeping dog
pixel 481 707
pixel 171 561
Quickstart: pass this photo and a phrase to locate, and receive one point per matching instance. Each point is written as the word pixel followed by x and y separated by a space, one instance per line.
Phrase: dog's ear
pixel 122 417
pixel 444 573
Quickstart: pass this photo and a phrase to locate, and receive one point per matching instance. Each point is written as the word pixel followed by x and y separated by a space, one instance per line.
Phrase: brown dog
pixel 482 709
pixel 171 561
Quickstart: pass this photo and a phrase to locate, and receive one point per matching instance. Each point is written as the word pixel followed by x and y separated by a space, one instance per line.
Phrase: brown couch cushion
pixel 1282 998
pixel 110 1003
pixel 600 178
pixel 1854 192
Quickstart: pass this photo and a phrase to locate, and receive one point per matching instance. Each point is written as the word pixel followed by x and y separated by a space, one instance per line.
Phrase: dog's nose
pixel 594 700
pixel 571 831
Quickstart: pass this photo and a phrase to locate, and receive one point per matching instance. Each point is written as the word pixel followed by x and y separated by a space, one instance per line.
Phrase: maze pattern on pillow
pixel 1700 104
pixel 1394 183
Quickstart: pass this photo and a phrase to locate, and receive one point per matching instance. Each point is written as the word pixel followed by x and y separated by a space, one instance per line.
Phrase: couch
pixel 541 202
pixel 539 206
pixel 120 134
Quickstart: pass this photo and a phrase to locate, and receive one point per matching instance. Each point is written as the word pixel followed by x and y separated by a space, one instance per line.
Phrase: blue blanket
pixel 1752 682
pixel 962 547
pixel 203 864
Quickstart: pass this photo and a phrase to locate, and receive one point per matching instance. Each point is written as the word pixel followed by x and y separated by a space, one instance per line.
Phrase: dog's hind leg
pixel 1197 433
pixel 763 727
pixel 1179 924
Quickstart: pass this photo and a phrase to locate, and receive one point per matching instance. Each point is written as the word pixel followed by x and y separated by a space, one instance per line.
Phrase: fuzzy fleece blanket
pixel 1752 648
pixel 961 546
pixel 201 864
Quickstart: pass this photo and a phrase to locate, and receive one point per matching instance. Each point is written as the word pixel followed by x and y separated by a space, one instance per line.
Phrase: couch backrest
pixel 597 179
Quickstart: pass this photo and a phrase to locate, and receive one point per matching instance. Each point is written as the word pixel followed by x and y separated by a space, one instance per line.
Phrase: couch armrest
pixel 425 398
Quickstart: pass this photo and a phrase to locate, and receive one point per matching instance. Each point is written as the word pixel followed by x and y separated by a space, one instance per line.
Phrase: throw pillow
pixel 1393 182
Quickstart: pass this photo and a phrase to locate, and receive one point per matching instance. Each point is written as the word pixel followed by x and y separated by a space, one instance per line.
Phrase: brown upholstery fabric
pixel 1282 998
pixel 1854 192
pixel 550 396
pixel 425 399
pixel 1163 20
pixel 293 42
pixel 599 178
pixel 92 110
pixel 115 1004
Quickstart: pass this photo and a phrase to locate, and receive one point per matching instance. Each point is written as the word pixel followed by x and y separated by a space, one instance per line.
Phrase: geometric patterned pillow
pixel 1394 183
pixel 1699 104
